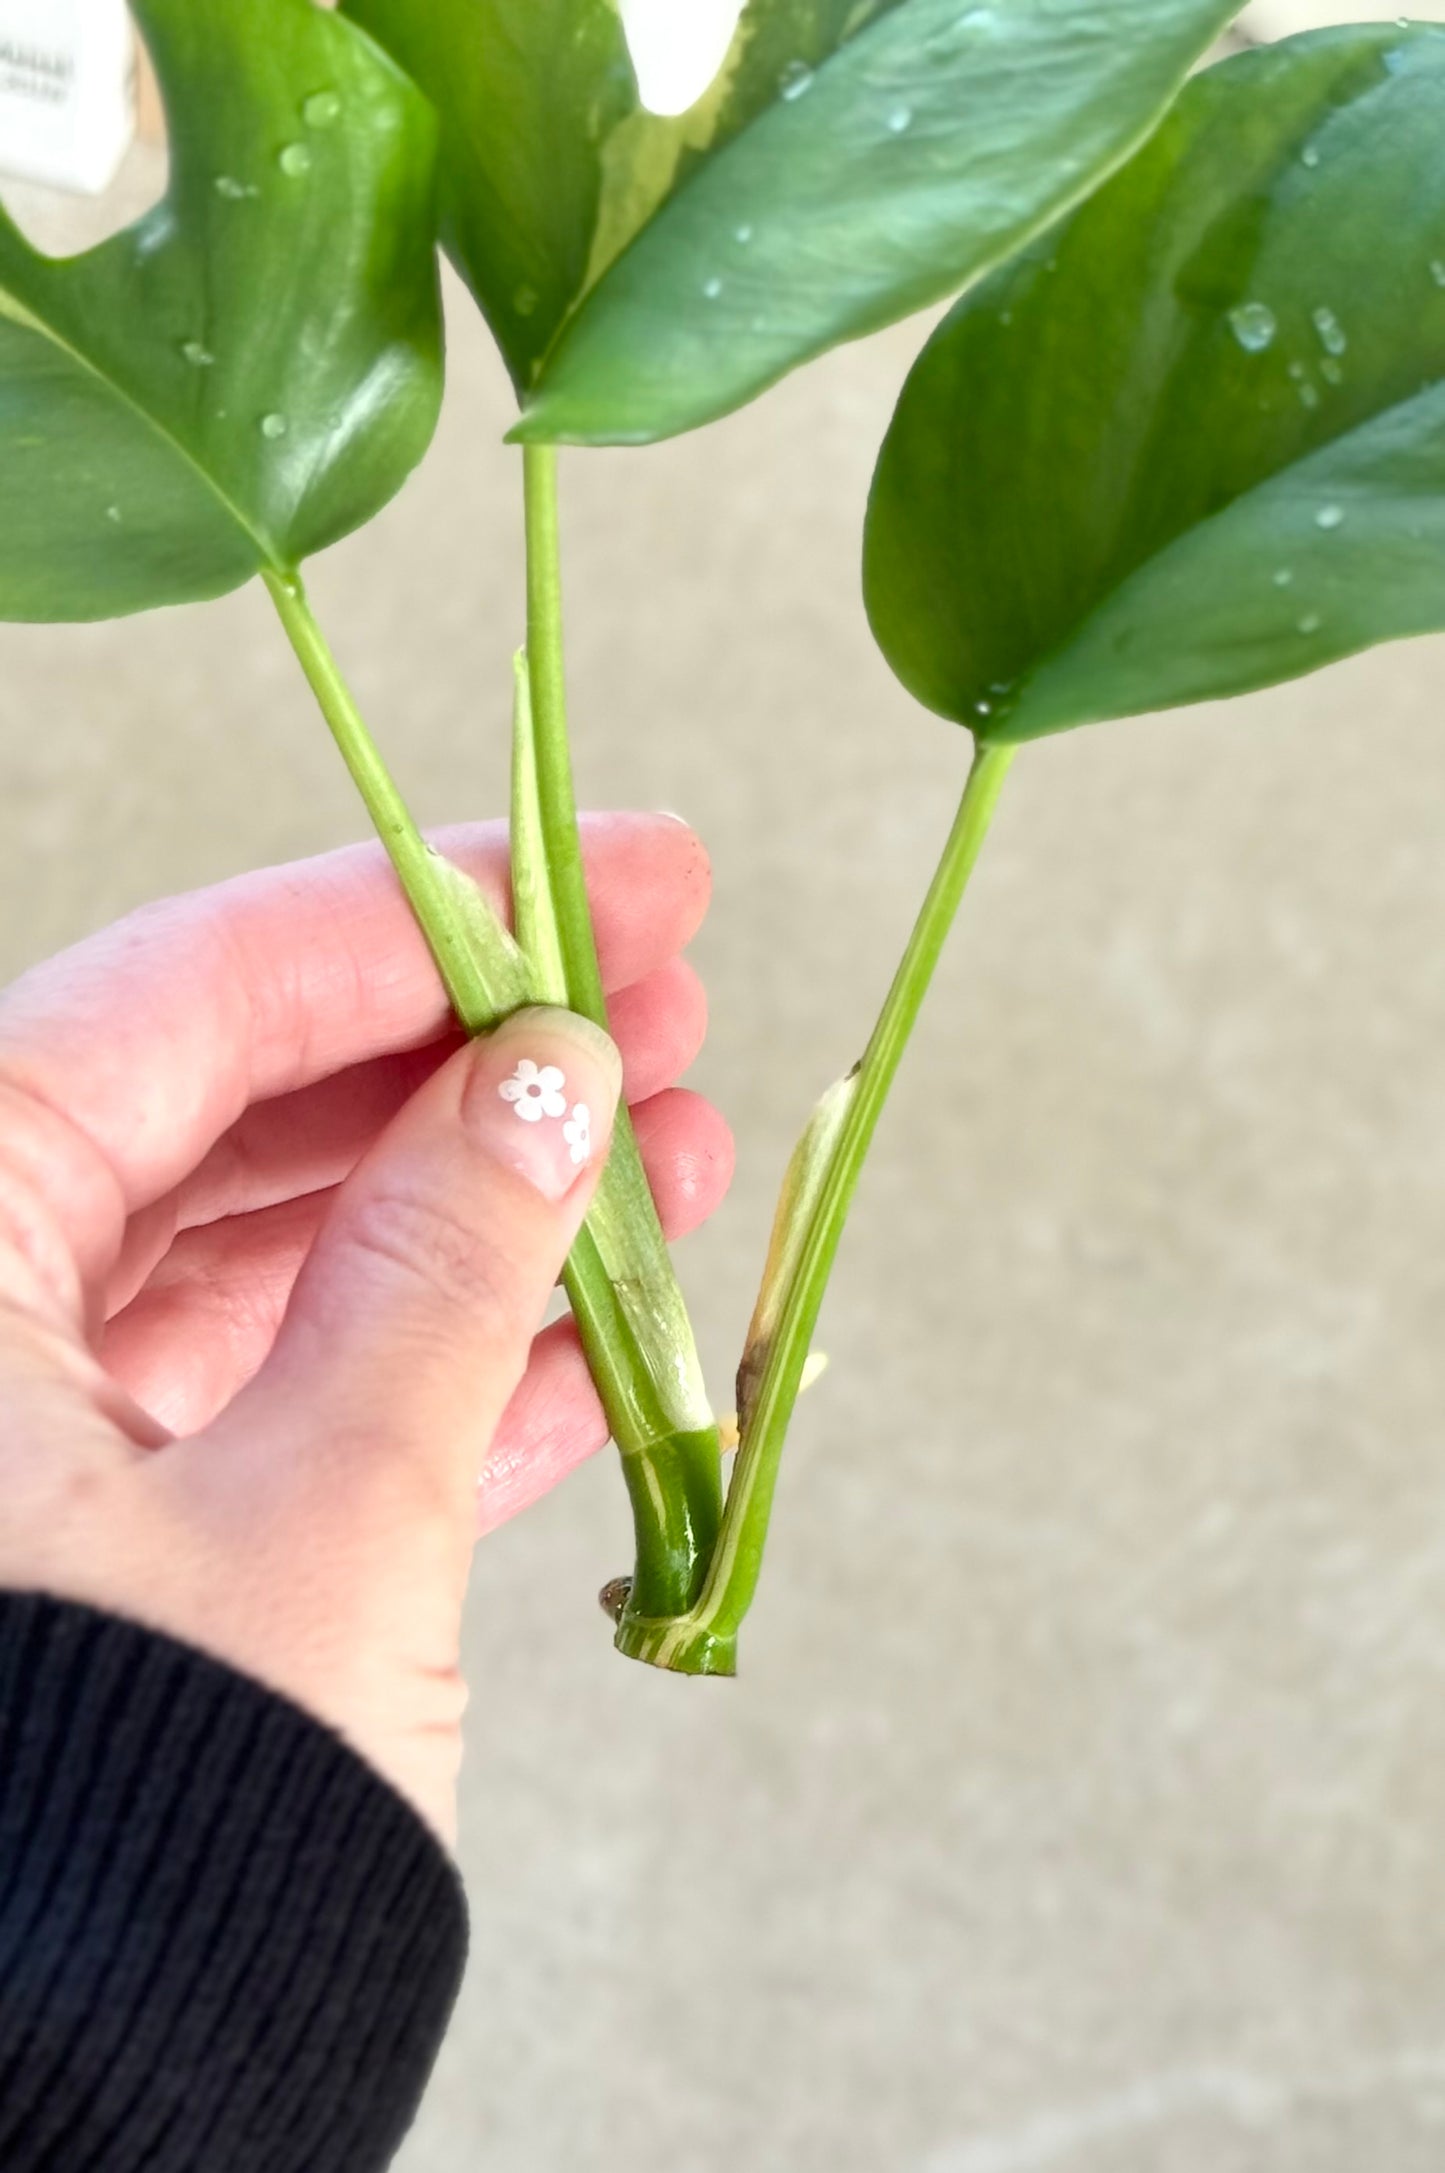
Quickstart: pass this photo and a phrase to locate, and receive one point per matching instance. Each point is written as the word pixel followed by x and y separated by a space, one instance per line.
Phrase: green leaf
pixel 529 94
pixel 253 368
pixel 1194 442
pixel 851 163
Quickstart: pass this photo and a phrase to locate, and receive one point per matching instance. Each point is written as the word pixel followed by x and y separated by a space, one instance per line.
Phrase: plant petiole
pixel 619 1278
pixel 629 1309
pixel 483 971
pixel 821 1189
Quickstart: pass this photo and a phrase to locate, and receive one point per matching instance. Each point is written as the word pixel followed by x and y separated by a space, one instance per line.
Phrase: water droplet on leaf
pixel 1437 271
pixel 795 79
pixel 228 186
pixel 321 109
pixel 274 426
pixel 199 357
pixel 525 301
pixel 712 288
pixel 1331 332
pixel 1309 156
pixel 1254 325
pixel 1284 577
pixel 1331 371
pixel 900 120
pixel 744 234
pixel 295 160
pixel 1330 517
pixel 113 513
pixel 1310 623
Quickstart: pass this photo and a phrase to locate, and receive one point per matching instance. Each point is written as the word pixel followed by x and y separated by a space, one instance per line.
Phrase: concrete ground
pixel 1079 1804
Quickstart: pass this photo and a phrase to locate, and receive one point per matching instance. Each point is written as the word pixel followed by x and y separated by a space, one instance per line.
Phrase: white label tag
pixel 67 92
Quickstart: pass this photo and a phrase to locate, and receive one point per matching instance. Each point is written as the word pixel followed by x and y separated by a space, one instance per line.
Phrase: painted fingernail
pixel 542 1096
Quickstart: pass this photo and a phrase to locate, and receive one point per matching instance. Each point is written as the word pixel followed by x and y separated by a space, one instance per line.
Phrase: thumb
pixel 412 1321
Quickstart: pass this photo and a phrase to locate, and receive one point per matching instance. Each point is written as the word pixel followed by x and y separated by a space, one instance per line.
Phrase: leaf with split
pixel 854 161
pixel 253 368
pixel 1194 442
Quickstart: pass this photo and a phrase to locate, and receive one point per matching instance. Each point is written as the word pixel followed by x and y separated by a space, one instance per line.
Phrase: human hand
pixel 273 1252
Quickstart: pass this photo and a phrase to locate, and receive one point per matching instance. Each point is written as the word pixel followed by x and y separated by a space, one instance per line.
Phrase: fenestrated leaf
pixel 252 369
pixel 852 163
pixel 1194 442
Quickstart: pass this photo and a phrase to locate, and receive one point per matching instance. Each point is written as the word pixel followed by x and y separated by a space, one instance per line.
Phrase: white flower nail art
pixel 535 1092
pixel 577 1132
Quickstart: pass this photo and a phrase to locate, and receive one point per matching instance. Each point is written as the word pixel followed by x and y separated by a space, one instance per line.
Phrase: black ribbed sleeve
pixel 226 1946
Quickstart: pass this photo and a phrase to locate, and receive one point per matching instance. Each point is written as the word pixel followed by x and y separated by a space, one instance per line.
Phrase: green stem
pixel 657 1408
pixel 533 919
pixel 704 1641
pixel 552 754
pixel 481 969
pixel 629 1309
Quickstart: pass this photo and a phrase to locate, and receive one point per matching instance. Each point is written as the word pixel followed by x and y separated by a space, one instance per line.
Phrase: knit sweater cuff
pixel 224 1941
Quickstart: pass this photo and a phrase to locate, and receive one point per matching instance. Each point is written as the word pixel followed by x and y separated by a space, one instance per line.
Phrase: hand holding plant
pixel 1181 437
pixel 275 1252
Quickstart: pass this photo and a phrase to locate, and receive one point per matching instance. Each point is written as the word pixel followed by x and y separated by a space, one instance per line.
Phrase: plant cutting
pixel 1181 437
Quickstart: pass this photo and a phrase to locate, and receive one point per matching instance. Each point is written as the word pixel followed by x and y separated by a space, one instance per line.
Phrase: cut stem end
pixel 678 1645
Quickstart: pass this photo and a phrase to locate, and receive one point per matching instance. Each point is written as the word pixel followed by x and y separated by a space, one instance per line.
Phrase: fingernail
pixel 542 1095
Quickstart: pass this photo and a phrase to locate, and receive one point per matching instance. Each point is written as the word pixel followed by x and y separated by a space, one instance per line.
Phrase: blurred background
pixel 1079 1803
